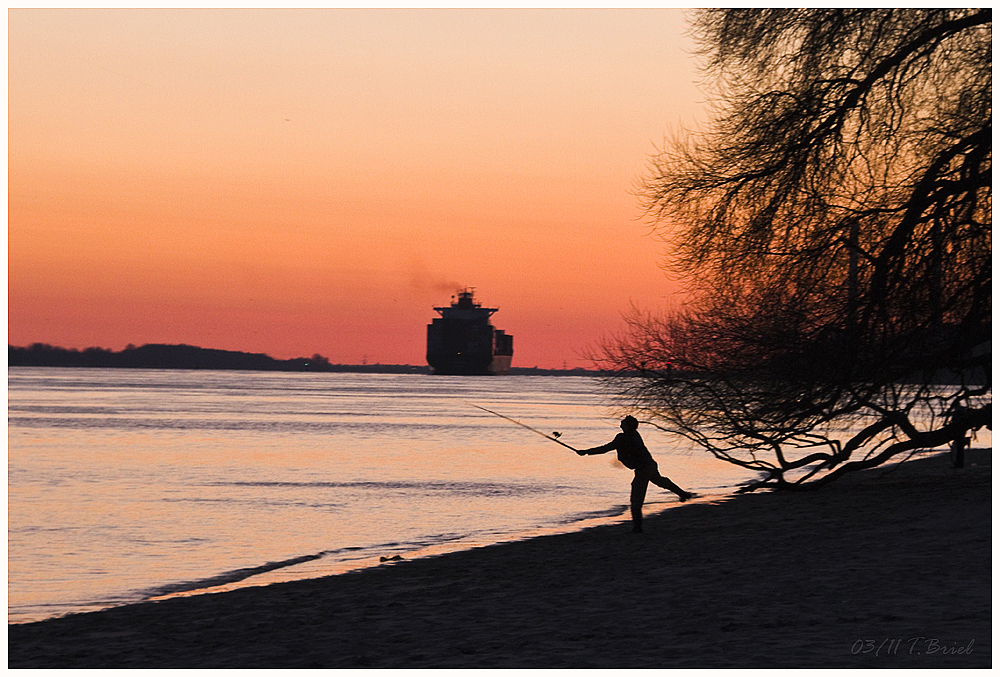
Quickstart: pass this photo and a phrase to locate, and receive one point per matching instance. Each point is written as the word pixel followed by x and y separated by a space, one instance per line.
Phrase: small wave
pixel 258 503
pixel 345 554
pixel 477 488
pixel 614 511
pixel 228 577
pixel 157 420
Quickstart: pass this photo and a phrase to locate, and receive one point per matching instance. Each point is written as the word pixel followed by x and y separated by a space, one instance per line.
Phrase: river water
pixel 128 485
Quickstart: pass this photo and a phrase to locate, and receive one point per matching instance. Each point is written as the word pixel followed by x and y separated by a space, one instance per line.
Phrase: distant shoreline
pixel 181 356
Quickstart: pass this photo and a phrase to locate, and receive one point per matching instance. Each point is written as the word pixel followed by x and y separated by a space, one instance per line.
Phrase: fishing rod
pixel 537 432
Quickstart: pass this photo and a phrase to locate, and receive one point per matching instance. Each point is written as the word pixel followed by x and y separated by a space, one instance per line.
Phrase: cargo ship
pixel 462 342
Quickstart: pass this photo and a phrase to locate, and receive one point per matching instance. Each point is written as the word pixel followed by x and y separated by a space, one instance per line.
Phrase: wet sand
pixel 879 569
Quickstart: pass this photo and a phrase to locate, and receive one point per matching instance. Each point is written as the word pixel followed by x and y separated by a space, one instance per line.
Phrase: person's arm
pixel 604 448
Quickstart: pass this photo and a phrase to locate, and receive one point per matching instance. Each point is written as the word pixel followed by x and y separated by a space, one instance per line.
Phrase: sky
pixel 295 182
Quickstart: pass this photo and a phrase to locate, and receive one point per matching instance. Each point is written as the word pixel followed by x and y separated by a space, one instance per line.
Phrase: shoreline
pixel 313 566
pixel 884 561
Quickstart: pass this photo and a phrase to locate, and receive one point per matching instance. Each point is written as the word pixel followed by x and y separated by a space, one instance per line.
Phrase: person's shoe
pixel 636 529
pixel 686 496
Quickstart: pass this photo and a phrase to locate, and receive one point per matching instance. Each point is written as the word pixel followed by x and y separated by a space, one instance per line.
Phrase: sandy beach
pixel 881 569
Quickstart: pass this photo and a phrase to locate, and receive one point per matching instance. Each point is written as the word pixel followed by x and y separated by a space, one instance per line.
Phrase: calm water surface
pixel 125 485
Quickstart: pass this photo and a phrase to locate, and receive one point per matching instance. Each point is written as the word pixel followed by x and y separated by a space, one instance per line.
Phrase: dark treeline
pixel 158 356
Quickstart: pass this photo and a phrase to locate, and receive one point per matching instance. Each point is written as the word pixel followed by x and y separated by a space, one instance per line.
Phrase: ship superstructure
pixel 463 342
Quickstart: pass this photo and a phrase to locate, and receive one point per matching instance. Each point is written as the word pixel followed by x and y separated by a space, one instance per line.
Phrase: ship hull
pixel 460 367
pixel 495 365
pixel 500 365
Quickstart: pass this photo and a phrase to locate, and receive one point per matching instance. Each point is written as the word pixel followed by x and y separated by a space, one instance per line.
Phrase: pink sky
pixel 302 181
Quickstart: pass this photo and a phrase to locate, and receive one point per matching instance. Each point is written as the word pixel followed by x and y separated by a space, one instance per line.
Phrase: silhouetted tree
pixel 833 227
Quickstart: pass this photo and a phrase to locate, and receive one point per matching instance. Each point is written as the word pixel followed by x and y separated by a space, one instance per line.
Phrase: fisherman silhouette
pixel 633 454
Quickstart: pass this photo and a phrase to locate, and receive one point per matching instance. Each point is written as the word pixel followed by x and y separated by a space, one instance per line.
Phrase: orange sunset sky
pixel 302 181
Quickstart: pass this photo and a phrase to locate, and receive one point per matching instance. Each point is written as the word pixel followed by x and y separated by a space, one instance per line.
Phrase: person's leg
pixel 665 483
pixel 639 484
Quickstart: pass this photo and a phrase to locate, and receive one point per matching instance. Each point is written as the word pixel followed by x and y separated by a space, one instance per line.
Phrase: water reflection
pixel 124 482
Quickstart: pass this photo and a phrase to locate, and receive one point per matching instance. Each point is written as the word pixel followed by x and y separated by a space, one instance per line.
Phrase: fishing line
pixel 508 418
